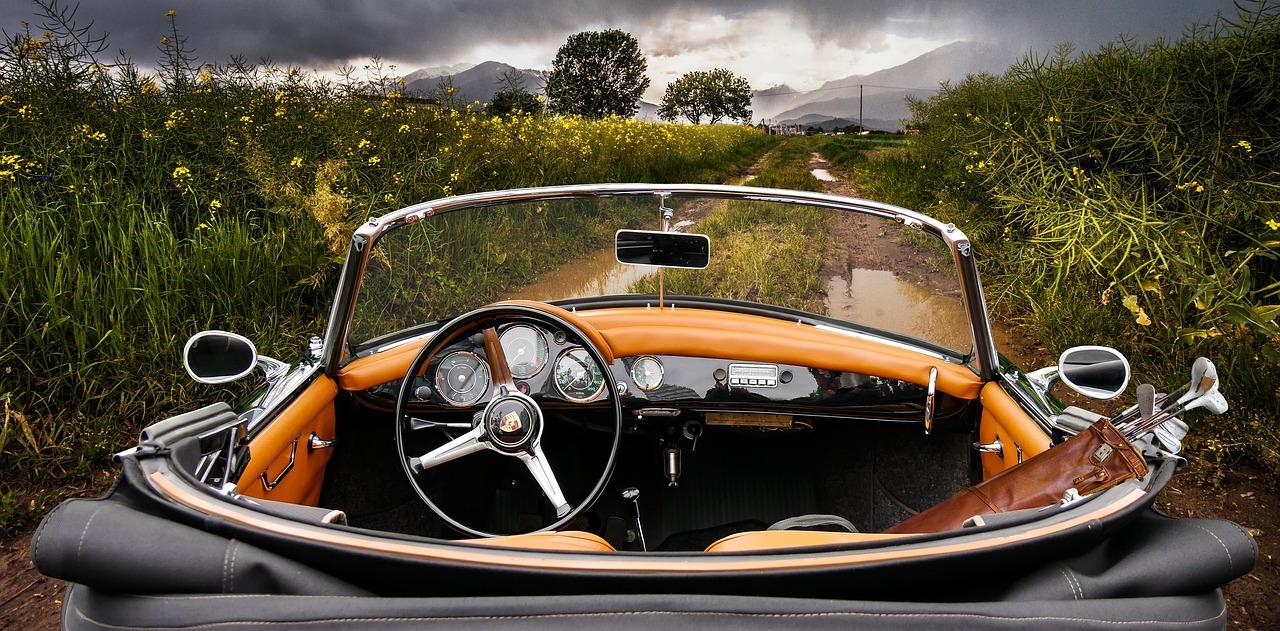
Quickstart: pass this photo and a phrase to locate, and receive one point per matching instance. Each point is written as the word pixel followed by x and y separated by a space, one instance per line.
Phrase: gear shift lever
pixel 632 494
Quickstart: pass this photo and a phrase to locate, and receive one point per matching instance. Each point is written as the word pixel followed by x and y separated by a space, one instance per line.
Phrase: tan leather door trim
pixel 1004 419
pixel 284 441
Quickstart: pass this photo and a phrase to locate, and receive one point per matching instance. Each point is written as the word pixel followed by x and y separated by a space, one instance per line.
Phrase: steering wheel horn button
pixel 511 422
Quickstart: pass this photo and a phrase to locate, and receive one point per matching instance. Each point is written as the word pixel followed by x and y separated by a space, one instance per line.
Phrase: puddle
pixel 883 300
pixel 597 274
pixel 823 175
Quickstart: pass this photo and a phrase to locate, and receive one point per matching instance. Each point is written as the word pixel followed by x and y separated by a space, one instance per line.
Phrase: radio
pixel 753 375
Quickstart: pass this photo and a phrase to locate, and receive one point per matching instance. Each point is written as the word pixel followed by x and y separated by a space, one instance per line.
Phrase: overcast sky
pixel 799 43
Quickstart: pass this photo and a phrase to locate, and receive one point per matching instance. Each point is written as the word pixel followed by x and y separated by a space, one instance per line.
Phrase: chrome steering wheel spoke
pixel 540 468
pixel 463 445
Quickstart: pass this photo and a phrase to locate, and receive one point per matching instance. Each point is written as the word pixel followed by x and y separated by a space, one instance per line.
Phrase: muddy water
pixel 886 301
pixel 823 175
pixel 597 274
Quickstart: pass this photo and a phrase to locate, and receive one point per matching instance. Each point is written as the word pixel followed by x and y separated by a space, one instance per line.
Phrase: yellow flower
pixel 205 76
pixel 147 134
pixel 1273 224
pixel 1244 144
pixel 296 161
pixel 1052 119
pixel 364 142
pixel 404 129
pixel 181 172
pixel 246 119
pixel 374 160
pixel 215 204
pixel 202 226
pixel 170 13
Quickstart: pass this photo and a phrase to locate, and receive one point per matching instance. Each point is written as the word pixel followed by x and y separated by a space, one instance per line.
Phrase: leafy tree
pixel 513 97
pixel 598 74
pixel 715 94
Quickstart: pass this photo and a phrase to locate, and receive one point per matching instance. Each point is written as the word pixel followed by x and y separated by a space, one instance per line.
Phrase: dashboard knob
pixel 422 392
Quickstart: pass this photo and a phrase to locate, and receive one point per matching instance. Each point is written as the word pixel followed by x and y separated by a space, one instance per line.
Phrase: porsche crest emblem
pixel 510 422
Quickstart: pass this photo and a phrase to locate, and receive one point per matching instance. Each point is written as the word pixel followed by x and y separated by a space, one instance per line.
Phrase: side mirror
pixel 663 249
pixel 1097 372
pixel 219 357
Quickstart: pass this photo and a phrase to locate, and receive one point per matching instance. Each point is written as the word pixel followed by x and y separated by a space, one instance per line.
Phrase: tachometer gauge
pixel 578 377
pixel 526 350
pixel 647 373
pixel 462 378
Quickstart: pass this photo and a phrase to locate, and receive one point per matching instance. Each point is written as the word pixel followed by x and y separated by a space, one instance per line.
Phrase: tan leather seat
pixel 755 541
pixel 567 541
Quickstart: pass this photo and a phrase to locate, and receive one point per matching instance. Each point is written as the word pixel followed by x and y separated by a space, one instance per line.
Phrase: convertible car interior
pixel 568 424
pixel 734 426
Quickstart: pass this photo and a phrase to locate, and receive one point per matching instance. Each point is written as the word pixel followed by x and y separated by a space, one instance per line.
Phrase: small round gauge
pixel 526 350
pixel 578 377
pixel 462 378
pixel 647 373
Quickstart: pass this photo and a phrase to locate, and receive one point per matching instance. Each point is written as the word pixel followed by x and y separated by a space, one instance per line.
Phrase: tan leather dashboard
pixel 631 331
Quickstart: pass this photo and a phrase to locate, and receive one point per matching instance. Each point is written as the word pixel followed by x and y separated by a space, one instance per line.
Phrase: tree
pixel 598 74
pixel 716 94
pixel 513 97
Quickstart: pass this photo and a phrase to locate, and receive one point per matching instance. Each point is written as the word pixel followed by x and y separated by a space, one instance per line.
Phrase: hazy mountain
pixel 839 98
pixel 477 83
pixel 829 123
pixel 434 72
pixel 765 103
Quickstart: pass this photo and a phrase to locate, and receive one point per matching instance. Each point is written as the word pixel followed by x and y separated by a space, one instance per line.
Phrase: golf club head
pixel 1170 435
pixel 1201 370
pixel 1213 402
pixel 1146 401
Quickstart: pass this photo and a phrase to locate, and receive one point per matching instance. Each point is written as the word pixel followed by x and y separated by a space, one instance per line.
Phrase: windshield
pixel 859 268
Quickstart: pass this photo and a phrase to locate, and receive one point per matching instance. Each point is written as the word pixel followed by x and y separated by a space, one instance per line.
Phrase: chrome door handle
pixel 993 447
pixel 293 455
pixel 315 442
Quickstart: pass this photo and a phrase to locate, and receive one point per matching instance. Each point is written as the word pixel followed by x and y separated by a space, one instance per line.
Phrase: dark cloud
pixel 325 33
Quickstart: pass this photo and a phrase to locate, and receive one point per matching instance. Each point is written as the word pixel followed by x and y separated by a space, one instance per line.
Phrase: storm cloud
pixel 325 34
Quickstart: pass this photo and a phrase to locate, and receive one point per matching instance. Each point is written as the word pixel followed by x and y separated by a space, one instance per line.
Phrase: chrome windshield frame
pixel 366 236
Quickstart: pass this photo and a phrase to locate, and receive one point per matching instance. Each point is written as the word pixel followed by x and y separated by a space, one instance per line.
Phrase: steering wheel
pixel 511 422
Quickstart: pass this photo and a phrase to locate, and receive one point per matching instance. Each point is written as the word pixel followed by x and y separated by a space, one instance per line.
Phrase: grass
pixel 763 252
pixel 137 209
pixel 1125 196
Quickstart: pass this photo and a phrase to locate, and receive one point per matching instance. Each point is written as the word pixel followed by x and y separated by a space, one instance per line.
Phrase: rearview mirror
pixel 663 249
pixel 1097 372
pixel 219 357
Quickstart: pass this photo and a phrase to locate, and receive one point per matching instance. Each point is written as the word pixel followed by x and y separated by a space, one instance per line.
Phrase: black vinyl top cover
pixel 1139 567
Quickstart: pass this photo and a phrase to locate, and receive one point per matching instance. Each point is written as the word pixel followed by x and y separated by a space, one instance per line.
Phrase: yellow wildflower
pixel 205 76
pixel 1052 119
pixel 202 226
pixel 374 160
pixel 147 134
pixel 170 13
pixel 364 142
pixel 181 173
pixel 1244 144
pixel 296 161
pixel 246 119
pixel 404 129
pixel 214 204
pixel 1273 224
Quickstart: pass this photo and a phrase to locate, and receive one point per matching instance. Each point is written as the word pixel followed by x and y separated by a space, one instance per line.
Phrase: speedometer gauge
pixel 462 378
pixel 526 350
pixel 578 377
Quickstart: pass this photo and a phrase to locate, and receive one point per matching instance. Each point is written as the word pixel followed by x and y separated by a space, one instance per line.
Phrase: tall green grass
pixel 137 209
pixel 1126 196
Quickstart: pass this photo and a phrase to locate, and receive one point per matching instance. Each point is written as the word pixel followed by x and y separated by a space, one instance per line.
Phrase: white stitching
pixel 1076 579
pixel 235 550
pixel 1070 583
pixel 225 563
pixel 1231 564
pixel 819 614
pixel 85 532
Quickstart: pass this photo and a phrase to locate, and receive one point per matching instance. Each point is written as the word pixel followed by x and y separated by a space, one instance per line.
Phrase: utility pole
pixel 859 108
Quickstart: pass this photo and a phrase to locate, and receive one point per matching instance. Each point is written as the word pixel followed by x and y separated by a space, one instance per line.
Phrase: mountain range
pixel 832 104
